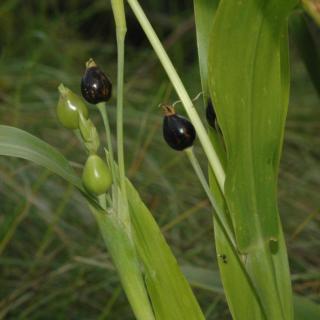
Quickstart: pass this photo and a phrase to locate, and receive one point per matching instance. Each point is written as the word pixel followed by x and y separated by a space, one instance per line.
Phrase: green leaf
pixel 17 143
pixel 247 93
pixel 249 84
pixel 170 293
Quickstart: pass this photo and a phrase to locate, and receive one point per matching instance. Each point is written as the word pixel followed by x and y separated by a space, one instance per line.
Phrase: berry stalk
pixel 217 212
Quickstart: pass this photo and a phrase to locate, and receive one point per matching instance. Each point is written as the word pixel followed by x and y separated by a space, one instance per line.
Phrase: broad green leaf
pixel 307 47
pixel 170 293
pixel 17 143
pixel 242 298
pixel 248 96
pixel 249 84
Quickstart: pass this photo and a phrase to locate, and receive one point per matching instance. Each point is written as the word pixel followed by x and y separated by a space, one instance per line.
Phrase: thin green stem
pixel 126 261
pixel 212 156
pixel 121 29
pixel 104 114
pixel 218 214
pixel 120 147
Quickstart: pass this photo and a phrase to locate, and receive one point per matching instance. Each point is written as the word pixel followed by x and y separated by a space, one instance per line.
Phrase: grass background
pixel 53 263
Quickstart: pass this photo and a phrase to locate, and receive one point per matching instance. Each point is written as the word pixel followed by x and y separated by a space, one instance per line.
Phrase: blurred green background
pixel 53 263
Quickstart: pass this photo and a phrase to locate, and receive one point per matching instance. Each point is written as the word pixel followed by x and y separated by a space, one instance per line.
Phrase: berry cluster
pixel 178 132
pixel 73 114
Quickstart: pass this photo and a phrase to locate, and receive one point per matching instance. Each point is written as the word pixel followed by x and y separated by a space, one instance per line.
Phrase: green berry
pixel 96 176
pixel 68 108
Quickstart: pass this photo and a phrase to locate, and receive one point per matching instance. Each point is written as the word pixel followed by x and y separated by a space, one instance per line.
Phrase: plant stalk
pixel 121 29
pixel 104 114
pixel 122 246
pixel 218 214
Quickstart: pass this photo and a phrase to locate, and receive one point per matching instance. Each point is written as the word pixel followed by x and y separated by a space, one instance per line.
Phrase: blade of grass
pixel 15 142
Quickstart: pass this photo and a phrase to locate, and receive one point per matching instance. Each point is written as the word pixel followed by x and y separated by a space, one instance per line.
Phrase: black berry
pixel 95 85
pixel 178 132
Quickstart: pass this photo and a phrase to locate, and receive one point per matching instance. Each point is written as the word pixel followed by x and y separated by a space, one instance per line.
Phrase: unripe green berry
pixel 68 108
pixel 96 176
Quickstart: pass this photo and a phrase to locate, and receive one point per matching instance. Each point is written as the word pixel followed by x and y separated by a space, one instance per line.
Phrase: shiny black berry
pixel 95 85
pixel 178 131
pixel 210 114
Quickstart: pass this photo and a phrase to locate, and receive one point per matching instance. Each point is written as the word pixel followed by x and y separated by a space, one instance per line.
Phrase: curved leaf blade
pixel 17 143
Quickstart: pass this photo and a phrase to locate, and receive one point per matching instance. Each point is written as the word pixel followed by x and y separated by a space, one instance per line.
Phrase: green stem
pixel 104 114
pixel 120 40
pixel 121 29
pixel 121 244
pixel 212 156
pixel 218 214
